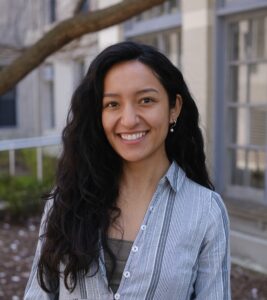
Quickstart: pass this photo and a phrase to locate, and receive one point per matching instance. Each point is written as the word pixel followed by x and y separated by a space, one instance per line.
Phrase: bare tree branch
pixel 65 32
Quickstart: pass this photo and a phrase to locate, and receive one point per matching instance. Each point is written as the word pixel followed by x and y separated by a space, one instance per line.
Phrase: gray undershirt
pixel 121 249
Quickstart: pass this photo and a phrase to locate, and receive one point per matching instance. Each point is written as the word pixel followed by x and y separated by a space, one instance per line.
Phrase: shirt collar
pixel 174 175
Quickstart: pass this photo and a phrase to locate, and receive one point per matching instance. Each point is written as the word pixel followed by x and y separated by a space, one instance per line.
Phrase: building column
pixel 110 35
pixel 197 60
pixel 64 88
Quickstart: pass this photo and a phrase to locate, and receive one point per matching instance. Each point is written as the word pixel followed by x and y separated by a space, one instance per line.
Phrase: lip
pixel 132 137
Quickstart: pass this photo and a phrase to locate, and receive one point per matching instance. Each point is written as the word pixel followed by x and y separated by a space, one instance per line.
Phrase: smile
pixel 133 136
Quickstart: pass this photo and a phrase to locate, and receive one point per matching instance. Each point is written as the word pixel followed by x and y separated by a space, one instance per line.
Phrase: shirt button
pixel 126 274
pixel 135 249
pixel 151 208
pixel 117 296
pixel 143 227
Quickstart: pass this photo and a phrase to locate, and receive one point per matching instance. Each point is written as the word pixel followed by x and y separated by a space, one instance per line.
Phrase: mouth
pixel 133 136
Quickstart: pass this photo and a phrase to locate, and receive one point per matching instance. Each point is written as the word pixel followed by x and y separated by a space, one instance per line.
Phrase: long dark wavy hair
pixel 89 170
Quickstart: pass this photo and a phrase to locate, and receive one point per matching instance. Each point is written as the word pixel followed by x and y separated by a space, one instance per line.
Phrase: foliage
pixel 22 193
pixel 3 160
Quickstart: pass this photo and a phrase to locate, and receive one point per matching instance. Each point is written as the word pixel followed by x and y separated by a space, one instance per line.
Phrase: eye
pixel 146 100
pixel 111 104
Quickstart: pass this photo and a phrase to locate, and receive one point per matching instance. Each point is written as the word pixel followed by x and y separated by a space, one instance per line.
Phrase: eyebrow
pixel 137 93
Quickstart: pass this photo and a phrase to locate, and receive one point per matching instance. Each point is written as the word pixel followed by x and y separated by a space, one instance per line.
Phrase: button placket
pixel 135 248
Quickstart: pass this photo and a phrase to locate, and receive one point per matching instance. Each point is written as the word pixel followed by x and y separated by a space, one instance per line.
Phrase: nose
pixel 129 116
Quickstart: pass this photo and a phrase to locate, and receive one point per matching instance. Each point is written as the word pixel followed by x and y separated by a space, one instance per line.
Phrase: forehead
pixel 132 75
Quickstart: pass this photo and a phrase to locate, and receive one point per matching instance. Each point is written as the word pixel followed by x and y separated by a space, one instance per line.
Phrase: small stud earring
pixel 172 126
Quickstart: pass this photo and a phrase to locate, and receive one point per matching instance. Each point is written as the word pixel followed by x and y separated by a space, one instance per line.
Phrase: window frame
pixel 160 25
pixel 166 21
pixel 225 14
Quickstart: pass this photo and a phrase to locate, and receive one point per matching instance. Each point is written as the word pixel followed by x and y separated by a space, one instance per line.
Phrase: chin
pixel 133 158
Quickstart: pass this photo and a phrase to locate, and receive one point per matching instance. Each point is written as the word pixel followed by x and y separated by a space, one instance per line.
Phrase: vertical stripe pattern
pixel 81 280
pixel 181 250
pixel 162 243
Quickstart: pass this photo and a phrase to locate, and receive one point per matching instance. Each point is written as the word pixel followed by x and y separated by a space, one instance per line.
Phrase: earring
pixel 172 126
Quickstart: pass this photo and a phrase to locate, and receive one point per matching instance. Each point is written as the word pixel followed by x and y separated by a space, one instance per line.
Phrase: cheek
pixel 105 119
pixel 104 123
pixel 107 123
pixel 162 119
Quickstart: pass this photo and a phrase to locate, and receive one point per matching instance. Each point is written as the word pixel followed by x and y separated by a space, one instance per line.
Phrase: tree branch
pixel 65 32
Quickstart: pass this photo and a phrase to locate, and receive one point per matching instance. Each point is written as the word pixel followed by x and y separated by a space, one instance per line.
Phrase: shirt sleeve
pixel 213 276
pixel 33 290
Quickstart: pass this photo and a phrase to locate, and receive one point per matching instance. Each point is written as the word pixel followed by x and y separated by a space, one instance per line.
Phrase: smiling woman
pixel 136 113
pixel 133 214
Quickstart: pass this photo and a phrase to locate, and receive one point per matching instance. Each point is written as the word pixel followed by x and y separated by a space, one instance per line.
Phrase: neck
pixel 144 175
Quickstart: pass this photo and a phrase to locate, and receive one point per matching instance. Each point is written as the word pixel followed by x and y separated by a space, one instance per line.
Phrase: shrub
pixel 22 194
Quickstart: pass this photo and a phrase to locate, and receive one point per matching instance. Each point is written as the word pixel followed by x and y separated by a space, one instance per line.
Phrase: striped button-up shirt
pixel 181 251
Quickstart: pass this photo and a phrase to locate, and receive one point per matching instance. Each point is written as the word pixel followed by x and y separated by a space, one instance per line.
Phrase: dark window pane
pixel 258 126
pixel 85 6
pixel 238 83
pixel 238 167
pixel 8 109
pixel 247 168
pixel 256 163
pixel 52 11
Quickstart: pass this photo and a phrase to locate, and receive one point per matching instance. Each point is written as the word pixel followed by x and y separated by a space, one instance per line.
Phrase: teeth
pixel 132 137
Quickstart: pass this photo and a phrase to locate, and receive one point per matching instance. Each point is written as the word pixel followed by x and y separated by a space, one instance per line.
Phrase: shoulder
pixel 47 209
pixel 193 197
pixel 198 197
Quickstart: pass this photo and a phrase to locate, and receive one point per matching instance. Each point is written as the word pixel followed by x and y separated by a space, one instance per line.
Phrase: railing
pixel 35 142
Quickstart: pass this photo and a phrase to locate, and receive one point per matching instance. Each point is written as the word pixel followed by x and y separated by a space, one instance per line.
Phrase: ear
pixel 175 111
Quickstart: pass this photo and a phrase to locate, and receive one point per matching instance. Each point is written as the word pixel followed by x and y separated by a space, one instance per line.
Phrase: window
pixel 159 27
pixel 246 104
pixel 52 11
pixel 169 7
pixel 8 109
pixel 84 6
pixel 168 42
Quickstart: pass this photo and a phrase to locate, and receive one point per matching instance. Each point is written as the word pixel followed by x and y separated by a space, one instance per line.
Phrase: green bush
pixel 3 161
pixel 22 194
pixel 26 163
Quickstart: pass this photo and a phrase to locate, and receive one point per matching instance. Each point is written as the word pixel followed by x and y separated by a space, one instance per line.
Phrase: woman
pixel 133 214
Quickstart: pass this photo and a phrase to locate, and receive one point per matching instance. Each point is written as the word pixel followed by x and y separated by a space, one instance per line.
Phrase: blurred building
pixel 221 48
pixel 39 103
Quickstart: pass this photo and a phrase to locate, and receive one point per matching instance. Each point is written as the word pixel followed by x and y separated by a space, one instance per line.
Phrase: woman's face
pixel 136 113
